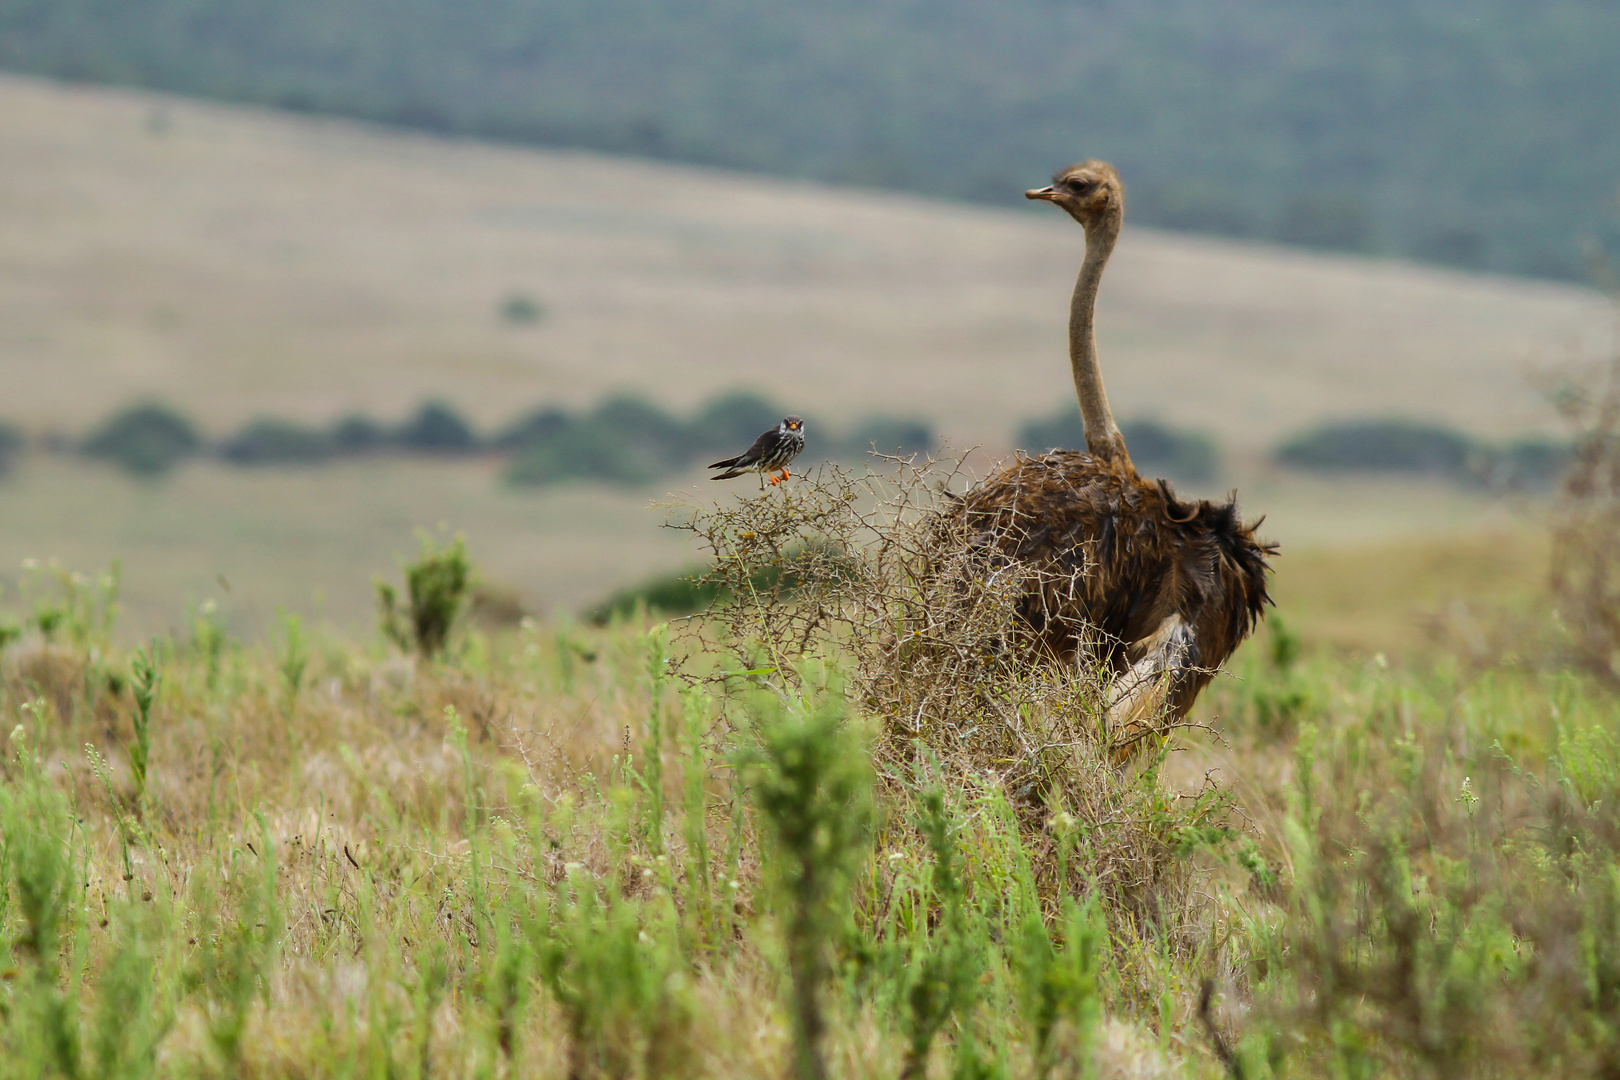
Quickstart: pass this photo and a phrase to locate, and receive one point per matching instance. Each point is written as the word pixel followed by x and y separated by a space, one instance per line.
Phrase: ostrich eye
pixel 1082 187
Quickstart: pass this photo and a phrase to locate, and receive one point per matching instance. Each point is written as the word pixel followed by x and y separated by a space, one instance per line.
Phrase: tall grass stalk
pixel 807 774
pixel 144 683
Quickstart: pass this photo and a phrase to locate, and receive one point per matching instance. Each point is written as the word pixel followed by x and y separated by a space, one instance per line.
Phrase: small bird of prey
pixel 770 453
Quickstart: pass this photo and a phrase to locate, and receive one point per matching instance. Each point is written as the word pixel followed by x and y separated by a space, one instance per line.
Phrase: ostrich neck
pixel 1102 434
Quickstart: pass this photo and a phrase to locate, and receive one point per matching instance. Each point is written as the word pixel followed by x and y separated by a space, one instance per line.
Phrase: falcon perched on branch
pixel 770 453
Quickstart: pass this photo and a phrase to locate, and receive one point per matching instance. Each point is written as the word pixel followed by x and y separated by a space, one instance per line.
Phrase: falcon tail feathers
pixel 729 474
pixel 728 463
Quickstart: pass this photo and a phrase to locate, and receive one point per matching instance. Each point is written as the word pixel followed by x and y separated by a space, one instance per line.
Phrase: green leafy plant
pixel 66 603
pixel 436 587
pixel 145 674
pixel 238 933
pixel 943 981
pixel 1058 982
pixel 294 654
pixel 208 639
pixel 39 882
pixel 808 777
pixel 10 628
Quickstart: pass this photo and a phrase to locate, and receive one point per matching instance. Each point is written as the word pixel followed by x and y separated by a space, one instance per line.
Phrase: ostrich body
pixel 1157 589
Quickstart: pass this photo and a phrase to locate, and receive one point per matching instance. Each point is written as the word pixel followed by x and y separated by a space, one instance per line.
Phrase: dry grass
pixel 537 858
pixel 238 261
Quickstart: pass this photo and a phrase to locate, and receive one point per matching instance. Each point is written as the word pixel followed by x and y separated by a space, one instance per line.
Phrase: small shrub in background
pixel 357 434
pixel 437 429
pixel 10 628
pixel 1421 448
pixel 890 435
pixel 651 433
pixel 679 593
pixel 533 429
pixel 1189 457
pixel 145 440
pixel 12 444
pixel 685 592
pixel 436 587
pixel 495 606
pixel 729 423
pixel 267 441
pixel 1331 220
pixel 294 660
pixel 584 450
pixel 522 309
pixel 1401 446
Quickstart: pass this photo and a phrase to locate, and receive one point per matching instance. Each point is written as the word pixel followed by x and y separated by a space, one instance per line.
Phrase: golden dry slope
pixel 237 262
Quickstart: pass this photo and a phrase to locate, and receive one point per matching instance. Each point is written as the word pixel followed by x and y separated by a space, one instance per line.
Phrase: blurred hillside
pixel 1478 133
pixel 238 263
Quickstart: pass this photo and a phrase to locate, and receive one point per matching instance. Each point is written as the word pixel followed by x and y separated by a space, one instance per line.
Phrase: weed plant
pixel 436 588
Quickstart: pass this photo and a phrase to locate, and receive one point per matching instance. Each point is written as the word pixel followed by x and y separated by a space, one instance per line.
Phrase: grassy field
pixel 558 851
pixel 1366 564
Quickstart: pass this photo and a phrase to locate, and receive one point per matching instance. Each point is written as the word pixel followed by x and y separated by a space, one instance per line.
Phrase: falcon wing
pixel 748 457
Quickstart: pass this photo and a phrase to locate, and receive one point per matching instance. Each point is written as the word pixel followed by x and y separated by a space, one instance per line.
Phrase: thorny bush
pixel 873 566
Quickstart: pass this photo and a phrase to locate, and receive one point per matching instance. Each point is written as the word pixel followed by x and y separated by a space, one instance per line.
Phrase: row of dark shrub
pixel 623 439
pixel 1408 447
pixel 627 440
pixel 1415 448
pixel 1184 456
pixel 150 439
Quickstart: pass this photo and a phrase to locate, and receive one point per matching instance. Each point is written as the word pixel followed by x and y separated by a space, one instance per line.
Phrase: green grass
pixel 550 854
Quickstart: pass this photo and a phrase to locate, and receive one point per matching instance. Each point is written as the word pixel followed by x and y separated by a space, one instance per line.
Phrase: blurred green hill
pixel 1476 133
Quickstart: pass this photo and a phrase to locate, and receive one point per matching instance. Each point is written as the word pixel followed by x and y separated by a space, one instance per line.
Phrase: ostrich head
pixel 1091 192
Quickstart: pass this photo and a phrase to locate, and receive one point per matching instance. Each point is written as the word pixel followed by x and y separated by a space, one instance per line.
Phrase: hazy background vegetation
pixel 1443 130
pixel 251 352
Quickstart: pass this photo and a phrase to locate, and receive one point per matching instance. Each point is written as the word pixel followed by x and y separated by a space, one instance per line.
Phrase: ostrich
pixel 1158 589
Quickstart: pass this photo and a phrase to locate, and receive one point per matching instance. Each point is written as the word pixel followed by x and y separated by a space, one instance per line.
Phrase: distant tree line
pixel 622 440
pixel 626 440
pixel 1391 446
pixel 1185 456
pixel 1478 133
pixel 1414 447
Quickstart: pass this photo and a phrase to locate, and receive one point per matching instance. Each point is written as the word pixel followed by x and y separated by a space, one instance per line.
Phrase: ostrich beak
pixel 1047 193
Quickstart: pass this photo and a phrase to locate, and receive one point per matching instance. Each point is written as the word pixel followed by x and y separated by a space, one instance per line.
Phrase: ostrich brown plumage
pixel 1157 589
